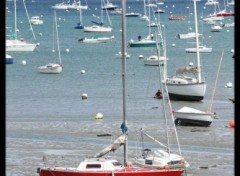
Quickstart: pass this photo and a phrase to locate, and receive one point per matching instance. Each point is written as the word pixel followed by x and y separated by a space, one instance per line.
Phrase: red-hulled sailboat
pixel 98 165
pixel 225 13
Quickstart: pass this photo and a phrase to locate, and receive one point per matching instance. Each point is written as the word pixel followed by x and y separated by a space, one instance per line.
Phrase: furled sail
pixel 114 146
pixel 187 69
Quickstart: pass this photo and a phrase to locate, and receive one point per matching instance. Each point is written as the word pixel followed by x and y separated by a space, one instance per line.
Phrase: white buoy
pixel 24 62
pixel 67 50
pixel 140 56
pixel 209 36
pixel 227 30
pixel 82 71
pixel 84 96
pixel 40 33
pixel 53 51
pixel 173 45
pixel 229 85
pixel 190 64
pixel 232 50
pixel 99 116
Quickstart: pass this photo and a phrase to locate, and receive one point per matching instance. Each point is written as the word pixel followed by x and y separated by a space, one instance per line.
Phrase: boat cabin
pixel 99 164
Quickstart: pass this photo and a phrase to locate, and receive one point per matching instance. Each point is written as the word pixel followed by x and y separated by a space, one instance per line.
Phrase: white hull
pixel 36 20
pixel 202 49
pixel 97 29
pixel 191 116
pixel 50 68
pixel 19 46
pixel 153 60
pixel 213 18
pixel 97 40
pixel 119 55
pixel 160 159
pixel 184 89
pixel 188 35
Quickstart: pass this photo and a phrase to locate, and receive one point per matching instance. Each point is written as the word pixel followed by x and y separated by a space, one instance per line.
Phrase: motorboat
pixel 216 28
pixel 51 68
pixel 188 35
pixel 153 60
pixel 96 40
pixel 187 116
pixel 119 55
pixel 36 20
pixel 202 49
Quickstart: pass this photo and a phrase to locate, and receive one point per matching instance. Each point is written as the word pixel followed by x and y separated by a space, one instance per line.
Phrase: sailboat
pixel 53 68
pixel 162 157
pixel 19 45
pixel 186 85
pixel 98 165
pixel 98 27
pixel 148 41
pixel 144 16
pixel 79 24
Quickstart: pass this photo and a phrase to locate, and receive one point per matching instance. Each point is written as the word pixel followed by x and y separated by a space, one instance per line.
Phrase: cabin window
pixel 116 163
pixel 93 166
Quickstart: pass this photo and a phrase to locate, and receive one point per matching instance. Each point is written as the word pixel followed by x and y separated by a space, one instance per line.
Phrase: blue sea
pixel 46 116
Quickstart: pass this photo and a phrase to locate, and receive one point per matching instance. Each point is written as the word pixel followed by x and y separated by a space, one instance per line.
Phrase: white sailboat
pixel 99 27
pixel 163 157
pixel 144 17
pixel 53 68
pixel 19 45
pixel 185 85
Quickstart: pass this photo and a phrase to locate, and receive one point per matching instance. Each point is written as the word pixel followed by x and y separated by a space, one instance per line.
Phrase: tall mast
pixel 56 29
pixel 197 42
pixel 124 71
pixel 15 18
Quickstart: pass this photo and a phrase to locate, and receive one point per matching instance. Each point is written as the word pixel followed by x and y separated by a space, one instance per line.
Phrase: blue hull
pixel 9 61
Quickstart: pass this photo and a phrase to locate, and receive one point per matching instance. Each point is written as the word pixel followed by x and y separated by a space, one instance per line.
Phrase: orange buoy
pixel 231 124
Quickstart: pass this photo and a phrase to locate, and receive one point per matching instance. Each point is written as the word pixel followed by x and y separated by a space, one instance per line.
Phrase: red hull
pixel 123 172
pixel 177 18
pixel 226 14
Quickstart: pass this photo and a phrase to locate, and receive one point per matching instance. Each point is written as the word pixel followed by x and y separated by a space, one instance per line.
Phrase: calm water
pixel 45 115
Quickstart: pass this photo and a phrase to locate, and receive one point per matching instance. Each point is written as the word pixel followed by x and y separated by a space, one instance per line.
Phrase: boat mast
pixel 29 20
pixel 56 28
pixel 124 71
pixel 80 12
pixel 15 22
pixel 197 42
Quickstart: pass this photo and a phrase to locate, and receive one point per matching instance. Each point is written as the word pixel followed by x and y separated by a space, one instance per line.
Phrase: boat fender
pixel 166 167
pixel 129 164
pixel 182 161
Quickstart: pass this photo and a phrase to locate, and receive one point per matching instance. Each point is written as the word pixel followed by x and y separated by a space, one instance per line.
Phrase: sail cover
pixel 187 69
pixel 115 145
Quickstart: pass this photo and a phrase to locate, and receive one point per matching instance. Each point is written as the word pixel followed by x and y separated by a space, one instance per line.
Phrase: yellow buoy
pixel 99 116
